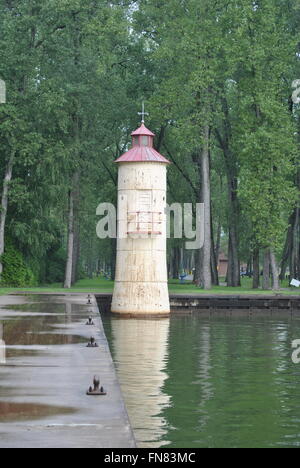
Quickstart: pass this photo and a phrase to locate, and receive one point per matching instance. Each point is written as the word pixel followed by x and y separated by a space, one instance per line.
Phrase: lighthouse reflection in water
pixel 141 353
pixel 191 381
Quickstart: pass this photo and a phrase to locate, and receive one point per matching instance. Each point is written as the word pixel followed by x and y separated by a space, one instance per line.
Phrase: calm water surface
pixel 192 382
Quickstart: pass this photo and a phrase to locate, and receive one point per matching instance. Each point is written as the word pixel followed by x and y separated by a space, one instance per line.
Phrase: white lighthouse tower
pixel 141 282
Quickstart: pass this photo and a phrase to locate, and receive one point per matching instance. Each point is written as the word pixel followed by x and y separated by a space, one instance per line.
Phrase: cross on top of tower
pixel 143 113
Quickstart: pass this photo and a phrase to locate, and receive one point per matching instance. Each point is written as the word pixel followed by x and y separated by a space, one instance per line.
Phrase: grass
pixel 246 288
pixel 95 285
pixel 101 285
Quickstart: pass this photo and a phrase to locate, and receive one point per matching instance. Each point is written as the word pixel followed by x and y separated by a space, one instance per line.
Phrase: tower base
pixel 141 299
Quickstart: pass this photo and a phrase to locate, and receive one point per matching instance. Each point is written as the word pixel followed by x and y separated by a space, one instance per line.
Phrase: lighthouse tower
pixel 141 283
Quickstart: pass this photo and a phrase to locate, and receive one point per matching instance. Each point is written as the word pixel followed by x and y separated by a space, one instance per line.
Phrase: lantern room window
pixel 136 141
pixel 145 140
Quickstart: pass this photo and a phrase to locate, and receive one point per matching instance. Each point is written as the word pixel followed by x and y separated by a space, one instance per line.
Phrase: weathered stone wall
pixel 141 285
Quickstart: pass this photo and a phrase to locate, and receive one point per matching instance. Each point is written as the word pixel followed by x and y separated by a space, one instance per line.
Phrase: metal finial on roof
pixel 143 113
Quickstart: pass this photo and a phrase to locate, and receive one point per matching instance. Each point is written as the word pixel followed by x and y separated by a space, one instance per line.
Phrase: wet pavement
pixel 46 370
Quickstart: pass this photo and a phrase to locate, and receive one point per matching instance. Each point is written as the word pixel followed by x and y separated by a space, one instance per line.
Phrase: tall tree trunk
pixel 76 249
pixel 198 273
pixel 176 261
pixel 205 164
pixel 266 270
pixel 73 232
pixel 198 276
pixel 275 272
pixel 192 264
pixel 256 269
pixel 294 254
pixel 76 241
pixel 233 274
pixel 90 269
pixel 214 262
pixel 286 256
pixel 224 138
pixel 214 269
pixel 249 269
pixel 70 248
pixel 4 204
pixel 218 240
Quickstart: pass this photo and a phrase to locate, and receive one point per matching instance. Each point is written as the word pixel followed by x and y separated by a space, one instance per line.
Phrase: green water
pixel 191 382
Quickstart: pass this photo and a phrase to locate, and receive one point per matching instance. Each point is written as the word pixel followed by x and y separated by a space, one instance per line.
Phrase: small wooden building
pixel 223 264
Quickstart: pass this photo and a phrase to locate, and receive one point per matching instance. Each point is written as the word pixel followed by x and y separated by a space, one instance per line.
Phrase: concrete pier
pixel 224 305
pixel 48 370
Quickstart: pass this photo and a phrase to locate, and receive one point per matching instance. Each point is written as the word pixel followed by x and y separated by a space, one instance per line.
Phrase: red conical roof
pixel 142 152
pixel 142 130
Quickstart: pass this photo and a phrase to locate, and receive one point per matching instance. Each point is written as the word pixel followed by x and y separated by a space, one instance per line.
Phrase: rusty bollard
pixel 97 390
pixel 89 302
pixel 92 343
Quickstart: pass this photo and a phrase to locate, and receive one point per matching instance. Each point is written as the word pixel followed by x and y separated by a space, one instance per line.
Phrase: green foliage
pixel 15 271
pixel 55 267
pixel 76 73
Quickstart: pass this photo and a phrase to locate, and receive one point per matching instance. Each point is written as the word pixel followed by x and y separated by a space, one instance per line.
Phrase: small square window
pixel 145 140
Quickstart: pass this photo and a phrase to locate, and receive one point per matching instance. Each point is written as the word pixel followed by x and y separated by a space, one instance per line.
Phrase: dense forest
pixel 217 80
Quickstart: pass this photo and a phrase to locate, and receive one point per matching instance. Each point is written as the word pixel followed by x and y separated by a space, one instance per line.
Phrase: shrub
pixel 15 271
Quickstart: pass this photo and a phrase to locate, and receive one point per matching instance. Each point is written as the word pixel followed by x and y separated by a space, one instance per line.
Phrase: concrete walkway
pixel 48 369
